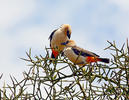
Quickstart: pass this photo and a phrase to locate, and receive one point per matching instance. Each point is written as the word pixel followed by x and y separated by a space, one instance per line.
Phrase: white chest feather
pixel 58 38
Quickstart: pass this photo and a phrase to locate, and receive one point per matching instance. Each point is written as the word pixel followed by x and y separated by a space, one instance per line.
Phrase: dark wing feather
pixel 79 51
pixel 50 37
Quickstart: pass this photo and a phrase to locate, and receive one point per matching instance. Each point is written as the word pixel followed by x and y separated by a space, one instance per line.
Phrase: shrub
pixel 62 80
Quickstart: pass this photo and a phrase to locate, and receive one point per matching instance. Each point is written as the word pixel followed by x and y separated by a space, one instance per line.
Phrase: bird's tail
pixel 96 59
pixel 105 60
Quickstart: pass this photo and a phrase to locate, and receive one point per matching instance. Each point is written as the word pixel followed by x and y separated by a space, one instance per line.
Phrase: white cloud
pixel 33 36
pixel 36 37
pixel 121 18
pixel 61 12
pixel 12 11
pixel 14 47
pixel 122 4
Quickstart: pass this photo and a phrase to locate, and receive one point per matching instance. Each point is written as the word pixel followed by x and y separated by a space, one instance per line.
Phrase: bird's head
pixel 67 30
pixel 69 43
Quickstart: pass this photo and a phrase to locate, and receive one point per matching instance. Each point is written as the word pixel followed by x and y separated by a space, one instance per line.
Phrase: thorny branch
pixel 60 79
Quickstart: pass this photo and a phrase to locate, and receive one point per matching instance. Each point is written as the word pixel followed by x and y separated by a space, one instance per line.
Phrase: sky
pixel 26 24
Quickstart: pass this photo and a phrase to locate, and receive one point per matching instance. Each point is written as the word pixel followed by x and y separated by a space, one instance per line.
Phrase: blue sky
pixel 27 24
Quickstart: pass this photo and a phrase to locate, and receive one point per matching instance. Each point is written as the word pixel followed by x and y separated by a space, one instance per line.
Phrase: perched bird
pixel 80 56
pixel 57 37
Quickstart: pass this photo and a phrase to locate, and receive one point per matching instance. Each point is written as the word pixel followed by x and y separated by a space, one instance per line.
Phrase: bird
pixel 80 56
pixel 57 37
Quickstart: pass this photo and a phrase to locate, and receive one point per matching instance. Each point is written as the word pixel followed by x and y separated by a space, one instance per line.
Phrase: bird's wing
pixel 80 51
pixel 51 35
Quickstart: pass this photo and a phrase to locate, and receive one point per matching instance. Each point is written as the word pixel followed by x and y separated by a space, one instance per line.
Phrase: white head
pixel 66 28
